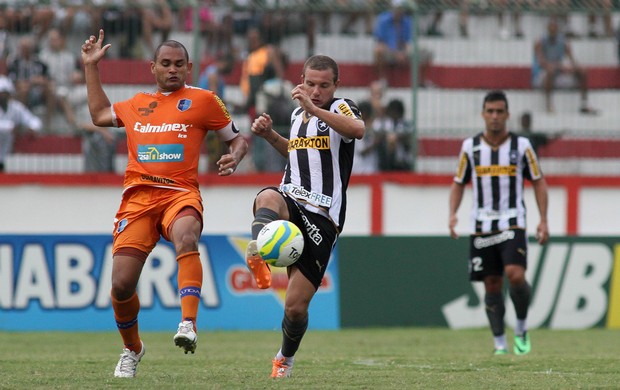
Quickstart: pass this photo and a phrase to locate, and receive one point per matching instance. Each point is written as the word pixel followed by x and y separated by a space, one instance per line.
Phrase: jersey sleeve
pixel 216 113
pixel 346 107
pixel 531 167
pixel 463 169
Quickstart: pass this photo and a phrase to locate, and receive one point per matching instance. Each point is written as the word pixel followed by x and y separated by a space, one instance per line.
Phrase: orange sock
pixel 189 279
pixel 126 316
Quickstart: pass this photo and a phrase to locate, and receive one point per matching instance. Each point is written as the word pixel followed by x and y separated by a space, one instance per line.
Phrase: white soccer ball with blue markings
pixel 280 243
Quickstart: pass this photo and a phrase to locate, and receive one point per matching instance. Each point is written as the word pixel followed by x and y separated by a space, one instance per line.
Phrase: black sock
pixel 262 217
pixel 495 309
pixel 520 296
pixel 292 333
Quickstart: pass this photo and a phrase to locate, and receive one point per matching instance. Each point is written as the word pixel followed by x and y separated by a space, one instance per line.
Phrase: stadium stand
pixel 463 70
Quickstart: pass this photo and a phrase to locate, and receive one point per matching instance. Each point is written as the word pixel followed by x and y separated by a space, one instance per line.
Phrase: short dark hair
pixel 170 43
pixel 494 96
pixel 321 62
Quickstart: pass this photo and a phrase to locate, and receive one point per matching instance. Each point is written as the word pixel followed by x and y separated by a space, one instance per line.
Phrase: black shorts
pixel 320 236
pixel 489 253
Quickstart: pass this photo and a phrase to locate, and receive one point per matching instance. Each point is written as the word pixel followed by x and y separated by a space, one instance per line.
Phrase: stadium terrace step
pixel 428 146
pixel 360 75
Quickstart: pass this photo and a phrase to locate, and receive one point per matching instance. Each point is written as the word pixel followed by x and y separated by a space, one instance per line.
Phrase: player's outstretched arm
pixel 99 105
pixel 228 163
pixel 456 196
pixel 263 127
pixel 542 200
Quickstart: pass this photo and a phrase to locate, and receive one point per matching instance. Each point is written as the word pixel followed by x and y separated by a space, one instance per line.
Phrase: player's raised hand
pixel 301 95
pixel 262 125
pixel 93 49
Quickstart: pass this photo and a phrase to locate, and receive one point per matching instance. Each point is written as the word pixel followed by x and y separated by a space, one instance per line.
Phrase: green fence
pixel 423 281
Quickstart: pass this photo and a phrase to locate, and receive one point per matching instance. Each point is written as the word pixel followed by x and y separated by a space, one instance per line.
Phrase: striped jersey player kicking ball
pixel 312 193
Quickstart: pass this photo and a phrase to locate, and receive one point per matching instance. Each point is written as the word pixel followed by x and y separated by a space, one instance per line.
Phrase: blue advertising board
pixel 62 282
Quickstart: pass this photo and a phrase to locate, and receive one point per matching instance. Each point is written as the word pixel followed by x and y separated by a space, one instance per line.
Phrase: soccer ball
pixel 280 243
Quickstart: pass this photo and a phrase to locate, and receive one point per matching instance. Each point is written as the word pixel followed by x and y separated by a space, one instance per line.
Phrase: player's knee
pixel 186 242
pixel 296 312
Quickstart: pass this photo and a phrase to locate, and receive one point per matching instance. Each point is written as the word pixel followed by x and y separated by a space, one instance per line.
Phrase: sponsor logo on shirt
pixel 322 126
pixel 146 111
pixel 312 197
pixel 184 105
pixel 163 128
pixel 320 142
pixel 160 153
pixel 222 106
pixel 157 179
pixel 496 170
pixel 345 110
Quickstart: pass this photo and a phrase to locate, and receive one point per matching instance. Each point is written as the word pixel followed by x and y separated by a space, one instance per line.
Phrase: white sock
pixel 287 360
pixel 500 342
pixel 520 327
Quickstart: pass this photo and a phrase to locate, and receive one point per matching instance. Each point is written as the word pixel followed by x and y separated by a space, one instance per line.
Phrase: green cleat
pixel 522 344
pixel 500 351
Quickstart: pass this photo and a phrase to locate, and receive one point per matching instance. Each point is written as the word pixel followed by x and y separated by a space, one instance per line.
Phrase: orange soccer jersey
pixel 165 133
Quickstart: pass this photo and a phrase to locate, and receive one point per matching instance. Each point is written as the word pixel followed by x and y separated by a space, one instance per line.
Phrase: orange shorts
pixel 146 213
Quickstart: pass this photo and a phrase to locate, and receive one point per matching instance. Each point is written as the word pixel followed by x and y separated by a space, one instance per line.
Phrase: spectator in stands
pixel 263 62
pixel 156 18
pixel 99 144
pixel 212 78
pixel 504 6
pixel 377 98
pixel 75 18
pixel 273 98
pixel 393 42
pixel 359 9
pixel 123 21
pixel 32 17
pixel 601 8
pixel 366 157
pixel 514 7
pixel 555 66
pixel 537 139
pixel 61 64
pixel 395 149
pixel 216 33
pixel 33 86
pixel 213 75
pixel 15 119
pixel 5 44
pixel 433 28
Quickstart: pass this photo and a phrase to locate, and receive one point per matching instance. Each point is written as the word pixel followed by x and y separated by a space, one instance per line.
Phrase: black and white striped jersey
pixel 497 175
pixel 319 162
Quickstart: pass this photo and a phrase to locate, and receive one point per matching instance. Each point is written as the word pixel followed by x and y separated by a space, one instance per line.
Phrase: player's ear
pixel 153 67
pixel 190 65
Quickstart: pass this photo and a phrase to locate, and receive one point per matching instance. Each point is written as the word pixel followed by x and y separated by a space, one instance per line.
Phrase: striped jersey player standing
pixel 497 163
pixel 312 193
pixel 161 196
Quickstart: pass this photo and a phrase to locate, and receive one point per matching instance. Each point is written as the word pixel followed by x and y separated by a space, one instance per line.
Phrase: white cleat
pixel 186 337
pixel 128 363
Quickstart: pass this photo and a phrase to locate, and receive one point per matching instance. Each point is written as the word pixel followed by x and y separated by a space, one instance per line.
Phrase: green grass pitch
pixel 386 358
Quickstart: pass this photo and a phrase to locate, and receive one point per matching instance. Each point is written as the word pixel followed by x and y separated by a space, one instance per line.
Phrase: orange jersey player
pixel 165 133
pixel 161 197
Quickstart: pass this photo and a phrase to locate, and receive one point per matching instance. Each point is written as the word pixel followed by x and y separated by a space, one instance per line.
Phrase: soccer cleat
pixel 280 369
pixel 128 363
pixel 522 344
pixel 186 337
pixel 500 351
pixel 257 266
